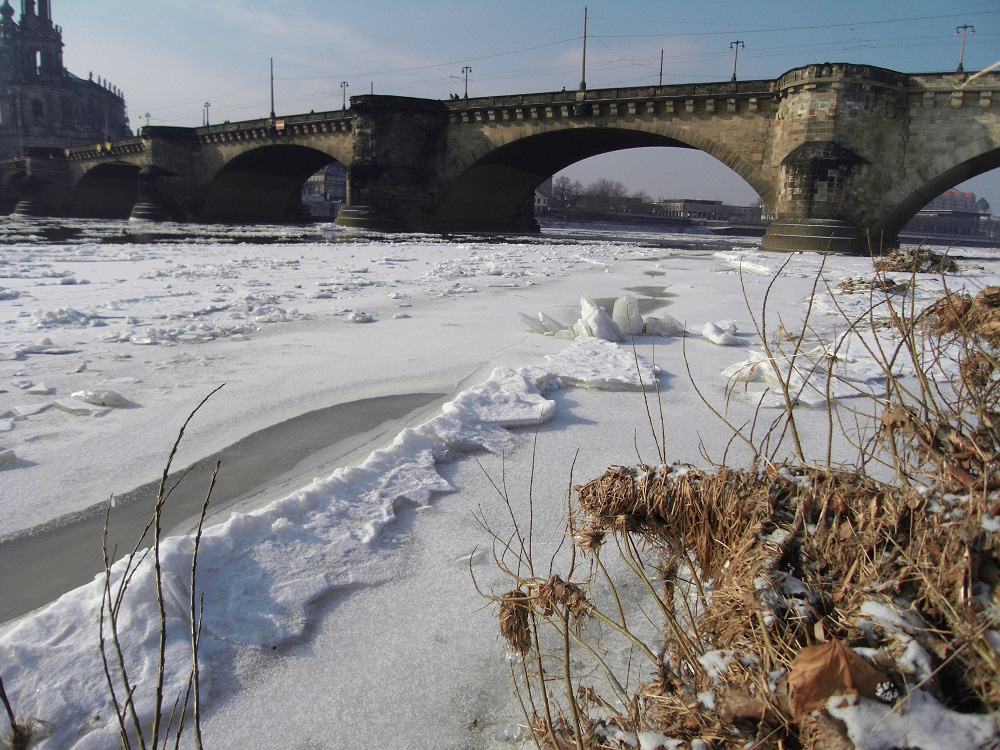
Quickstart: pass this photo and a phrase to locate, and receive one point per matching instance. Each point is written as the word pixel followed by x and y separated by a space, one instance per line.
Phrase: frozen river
pixel 358 373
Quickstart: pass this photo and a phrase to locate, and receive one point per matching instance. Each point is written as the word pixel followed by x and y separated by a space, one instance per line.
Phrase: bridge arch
pixel 492 186
pixel 262 184
pixel 11 189
pixel 107 191
pixel 939 175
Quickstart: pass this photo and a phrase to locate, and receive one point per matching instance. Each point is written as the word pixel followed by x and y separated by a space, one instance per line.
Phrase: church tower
pixel 43 105
pixel 39 46
pixel 8 36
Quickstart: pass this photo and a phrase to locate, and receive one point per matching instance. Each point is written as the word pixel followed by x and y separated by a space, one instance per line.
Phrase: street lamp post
pixel 147 119
pixel 736 56
pixel 465 71
pixel 207 105
pixel 961 55
pixel 343 87
pixel 272 88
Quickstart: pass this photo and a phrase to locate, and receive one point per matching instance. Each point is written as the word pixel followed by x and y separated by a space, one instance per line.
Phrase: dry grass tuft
pixel 555 593
pixel 20 731
pixel 513 616
pixel 958 313
pixel 674 503
pixel 19 737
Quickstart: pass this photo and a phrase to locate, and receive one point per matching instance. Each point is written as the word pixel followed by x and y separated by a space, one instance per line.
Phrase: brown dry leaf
pixel 831 668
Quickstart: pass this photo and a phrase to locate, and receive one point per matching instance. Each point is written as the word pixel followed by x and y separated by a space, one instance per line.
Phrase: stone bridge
pixel 843 155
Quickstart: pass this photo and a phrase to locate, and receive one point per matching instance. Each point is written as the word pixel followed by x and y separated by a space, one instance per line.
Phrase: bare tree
pixel 562 188
pixel 605 196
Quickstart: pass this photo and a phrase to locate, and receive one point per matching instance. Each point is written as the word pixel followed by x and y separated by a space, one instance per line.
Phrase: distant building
pixel 42 105
pixel 543 197
pixel 957 202
pixel 690 208
pixel 954 213
pixel 325 192
pixel 329 182
pixel 711 210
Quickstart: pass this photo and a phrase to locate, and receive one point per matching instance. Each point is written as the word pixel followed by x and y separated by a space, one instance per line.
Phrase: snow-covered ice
pixel 339 609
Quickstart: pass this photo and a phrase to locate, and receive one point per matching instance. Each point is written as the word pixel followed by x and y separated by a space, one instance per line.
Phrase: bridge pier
pixel 369 218
pixel 43 190
pixel 815 235
pixel 396 171
pixel 29 206
pixel 151 206
pixel 830 116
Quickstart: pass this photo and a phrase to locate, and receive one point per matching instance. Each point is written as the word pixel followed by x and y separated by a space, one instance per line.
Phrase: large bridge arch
pixel 492 184
pixel 937 176
pixel 107 191
pixel 262 184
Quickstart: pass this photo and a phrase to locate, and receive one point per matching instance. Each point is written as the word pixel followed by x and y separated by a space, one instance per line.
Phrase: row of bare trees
pixel 601 196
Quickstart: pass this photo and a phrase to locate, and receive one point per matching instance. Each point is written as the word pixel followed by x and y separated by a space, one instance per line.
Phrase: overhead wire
pixel 783 29
pixel 618 61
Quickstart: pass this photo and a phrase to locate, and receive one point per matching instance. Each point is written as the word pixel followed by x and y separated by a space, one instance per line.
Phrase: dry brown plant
pixel 767 576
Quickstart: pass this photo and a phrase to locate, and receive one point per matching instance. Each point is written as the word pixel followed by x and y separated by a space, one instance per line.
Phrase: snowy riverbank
pixel 340 610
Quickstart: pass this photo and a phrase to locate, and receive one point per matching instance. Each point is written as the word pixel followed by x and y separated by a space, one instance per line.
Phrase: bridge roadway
pixel 843 155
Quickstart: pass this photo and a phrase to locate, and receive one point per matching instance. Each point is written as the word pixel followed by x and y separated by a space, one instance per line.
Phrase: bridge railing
pixel 741 89
pixel 118 147
pixel 13 163
pixel 278 123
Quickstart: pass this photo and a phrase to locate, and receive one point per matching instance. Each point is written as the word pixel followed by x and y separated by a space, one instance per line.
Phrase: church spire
pixel 27 8
pixel 45 9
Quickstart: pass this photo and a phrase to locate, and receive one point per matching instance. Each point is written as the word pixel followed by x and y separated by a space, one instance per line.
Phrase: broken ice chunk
pixel 535 325
pixel 597 322
pixel 719 335
pixel 626 315
pixel 360 317
pixel 79 409
pixel 101 398
pixel 30 410
pixel 551 324
pixel 664 325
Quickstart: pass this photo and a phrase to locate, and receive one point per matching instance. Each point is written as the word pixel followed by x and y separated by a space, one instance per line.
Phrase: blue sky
pixel 172 56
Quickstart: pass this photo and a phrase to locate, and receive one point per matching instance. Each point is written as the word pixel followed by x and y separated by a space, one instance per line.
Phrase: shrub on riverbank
pixel 791 603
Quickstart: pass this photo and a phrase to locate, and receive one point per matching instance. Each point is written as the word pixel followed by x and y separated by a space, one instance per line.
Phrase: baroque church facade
pixel 43 105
